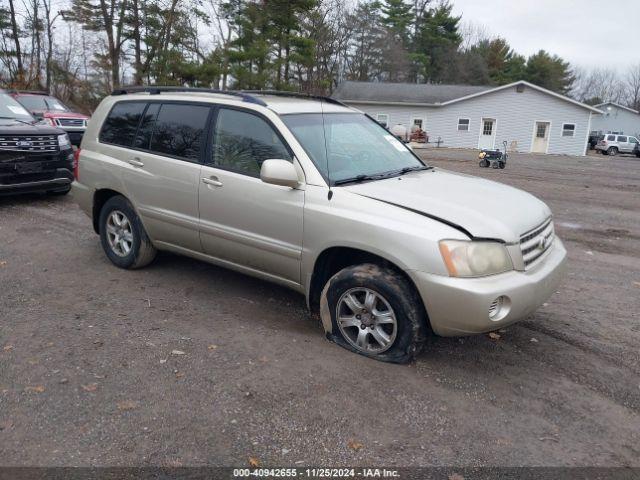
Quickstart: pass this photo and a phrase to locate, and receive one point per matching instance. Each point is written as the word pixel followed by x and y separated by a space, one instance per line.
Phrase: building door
pixel 541 137
pixel 487 134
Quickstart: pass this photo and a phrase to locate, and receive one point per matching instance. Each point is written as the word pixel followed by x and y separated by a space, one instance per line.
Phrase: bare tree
pixel 632 81
pixel 598 85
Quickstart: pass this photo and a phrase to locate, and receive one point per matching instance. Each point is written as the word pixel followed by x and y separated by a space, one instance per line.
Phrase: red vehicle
pixel 45 107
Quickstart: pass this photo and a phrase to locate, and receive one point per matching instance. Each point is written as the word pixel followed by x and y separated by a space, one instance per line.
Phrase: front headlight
pixel 63 141
pixel 475 258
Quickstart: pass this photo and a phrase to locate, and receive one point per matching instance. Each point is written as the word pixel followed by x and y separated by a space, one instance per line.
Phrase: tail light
pixel 76 164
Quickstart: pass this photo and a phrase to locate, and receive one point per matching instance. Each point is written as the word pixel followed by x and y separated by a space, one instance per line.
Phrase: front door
pixel 541 137
pixel 243 220
pixel 623 144
pixel 487 134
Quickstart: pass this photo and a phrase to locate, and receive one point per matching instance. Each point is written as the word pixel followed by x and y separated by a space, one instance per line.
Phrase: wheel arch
pixel 100 197
pixel 333 259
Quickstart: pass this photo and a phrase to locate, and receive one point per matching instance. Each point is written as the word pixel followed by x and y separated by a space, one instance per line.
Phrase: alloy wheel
pixel 119 233
pixel 366 320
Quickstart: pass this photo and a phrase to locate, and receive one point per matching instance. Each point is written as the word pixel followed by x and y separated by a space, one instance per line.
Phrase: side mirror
pixel 279 172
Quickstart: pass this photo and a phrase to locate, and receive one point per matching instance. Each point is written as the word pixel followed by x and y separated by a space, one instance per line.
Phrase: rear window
pixel 179 131
pixel 121 124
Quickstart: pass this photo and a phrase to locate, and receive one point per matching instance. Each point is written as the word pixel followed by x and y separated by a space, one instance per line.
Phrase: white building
pixel 529 118
pixel 616 119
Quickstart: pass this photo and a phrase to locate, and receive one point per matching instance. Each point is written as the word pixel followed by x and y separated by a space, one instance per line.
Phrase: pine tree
pixel 550 72
pixel 398 17
pixel 436 44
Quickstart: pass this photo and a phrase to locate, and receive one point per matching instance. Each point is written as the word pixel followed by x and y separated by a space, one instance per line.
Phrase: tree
pixel 365 47
pixel 398 17
pixel 106 16
pixel 503 64
pixel 597 86
pixel 435 44
pixel 632 81
pixel 550 72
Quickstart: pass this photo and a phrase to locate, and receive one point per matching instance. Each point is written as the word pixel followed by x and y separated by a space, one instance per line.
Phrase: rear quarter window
pixel 120 126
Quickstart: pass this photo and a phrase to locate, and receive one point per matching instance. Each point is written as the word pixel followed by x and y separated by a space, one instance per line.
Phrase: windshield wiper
pixel 17 120
pixel 380 176
pixel 414 169
pixel 360 178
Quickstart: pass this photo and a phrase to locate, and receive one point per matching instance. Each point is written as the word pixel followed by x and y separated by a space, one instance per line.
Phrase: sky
pixel 587 33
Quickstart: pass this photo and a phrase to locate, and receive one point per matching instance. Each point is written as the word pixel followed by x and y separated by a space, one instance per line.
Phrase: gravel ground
pixel 88 377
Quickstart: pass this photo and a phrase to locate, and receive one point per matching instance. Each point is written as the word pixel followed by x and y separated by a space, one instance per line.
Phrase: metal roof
pixel 428 93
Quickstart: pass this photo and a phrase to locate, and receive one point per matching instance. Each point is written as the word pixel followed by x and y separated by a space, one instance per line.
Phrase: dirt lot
pixel 87 376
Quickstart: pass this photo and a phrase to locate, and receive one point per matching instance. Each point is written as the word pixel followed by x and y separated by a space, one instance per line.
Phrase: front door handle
pixel 135 162
pixel 212 181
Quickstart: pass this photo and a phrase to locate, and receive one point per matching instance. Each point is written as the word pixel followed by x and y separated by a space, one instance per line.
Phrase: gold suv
pixel 316 196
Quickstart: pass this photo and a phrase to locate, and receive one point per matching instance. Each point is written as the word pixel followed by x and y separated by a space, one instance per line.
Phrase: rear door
pixel 243 220
pixel 162 170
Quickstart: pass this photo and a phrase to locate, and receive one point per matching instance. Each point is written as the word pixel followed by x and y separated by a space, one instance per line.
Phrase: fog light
pixel 499 308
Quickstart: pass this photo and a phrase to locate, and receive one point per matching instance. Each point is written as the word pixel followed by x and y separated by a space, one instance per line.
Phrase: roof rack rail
pixel 284 93
pixel 156 90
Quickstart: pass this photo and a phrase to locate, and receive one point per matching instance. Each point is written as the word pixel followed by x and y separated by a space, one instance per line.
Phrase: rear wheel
pixel 502 164
pixel 613 151
pixel 122 235
pixel 376 312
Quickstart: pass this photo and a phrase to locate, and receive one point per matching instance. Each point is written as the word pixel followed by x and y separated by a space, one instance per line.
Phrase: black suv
pixel 34 157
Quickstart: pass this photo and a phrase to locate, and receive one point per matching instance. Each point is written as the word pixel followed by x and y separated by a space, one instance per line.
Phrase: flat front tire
pixel 374 311
pixel 122 235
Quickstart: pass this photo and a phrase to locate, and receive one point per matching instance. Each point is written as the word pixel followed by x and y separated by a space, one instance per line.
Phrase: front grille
pixel 536 242
pixel 29 143
pixel 70 122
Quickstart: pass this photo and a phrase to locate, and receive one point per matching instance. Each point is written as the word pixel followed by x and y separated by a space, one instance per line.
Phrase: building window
pixel 541 130
pixel 463 124
pixel 568 130
pixel 487 127
pixel 418 122
pixel 383 119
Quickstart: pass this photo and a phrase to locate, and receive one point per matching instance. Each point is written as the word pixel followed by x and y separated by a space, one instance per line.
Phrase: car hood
pixel 482 208
pixel 52 114
pixel 10 127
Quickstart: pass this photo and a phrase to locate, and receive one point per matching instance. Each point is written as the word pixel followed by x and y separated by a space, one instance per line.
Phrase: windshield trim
pixel 372 177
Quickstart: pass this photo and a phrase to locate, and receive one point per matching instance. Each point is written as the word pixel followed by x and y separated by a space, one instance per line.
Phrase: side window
pixel 463 124
pixel 179 131
pixel 622 139
pixel 120 126
pixel 611 138
pixel 242 141
pixel 633 140
pixel 143 138
pixel 568 129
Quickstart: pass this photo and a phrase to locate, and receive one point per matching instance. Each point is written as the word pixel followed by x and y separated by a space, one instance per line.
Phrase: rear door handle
pixel 212 181
pixel 135 162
